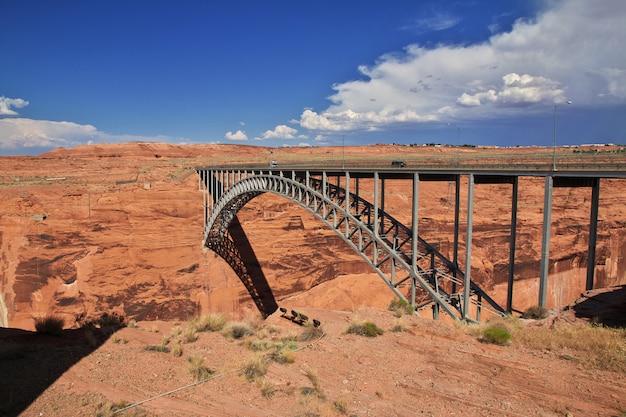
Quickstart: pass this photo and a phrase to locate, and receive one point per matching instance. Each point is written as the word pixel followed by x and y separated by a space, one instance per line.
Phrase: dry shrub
pixel 367 328
pixel 208 323
pixel 50 325
pixel 267 388
pixel 237 330
pixel 190 335
pixel 341 405
pixel 311 332
pixel 197 368
pixel 177 350
pixel 535 313
pixel 311 374
pixel 254 368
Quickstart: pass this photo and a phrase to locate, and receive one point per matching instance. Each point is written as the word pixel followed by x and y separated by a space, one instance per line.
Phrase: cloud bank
pixel 570 52
pixel 19 133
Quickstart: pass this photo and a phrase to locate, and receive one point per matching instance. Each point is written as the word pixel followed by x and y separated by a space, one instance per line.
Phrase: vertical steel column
pixel 347 174
pixel 375 223
pixel 512 243
pixel 457 208
pixel 468 245
pixel 324 193
pixel 545 241
pixel 414 234
pixel 593 233
pixel 382 203
pixel 356 193
pixel 308 187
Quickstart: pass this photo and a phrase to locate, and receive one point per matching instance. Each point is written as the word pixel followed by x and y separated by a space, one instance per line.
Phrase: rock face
pixel 118 228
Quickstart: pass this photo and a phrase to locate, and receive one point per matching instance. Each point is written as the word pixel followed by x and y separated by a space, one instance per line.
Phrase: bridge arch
pixel 412 268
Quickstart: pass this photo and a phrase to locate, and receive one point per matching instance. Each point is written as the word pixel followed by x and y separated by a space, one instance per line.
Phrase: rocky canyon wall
pixel 119 229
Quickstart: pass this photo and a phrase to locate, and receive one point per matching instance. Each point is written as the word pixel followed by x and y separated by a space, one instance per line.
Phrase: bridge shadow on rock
pixel 606 306
pixel 236 250
pixel 31 362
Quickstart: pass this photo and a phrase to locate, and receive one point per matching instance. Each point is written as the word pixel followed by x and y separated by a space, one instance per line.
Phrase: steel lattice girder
pixel 388 252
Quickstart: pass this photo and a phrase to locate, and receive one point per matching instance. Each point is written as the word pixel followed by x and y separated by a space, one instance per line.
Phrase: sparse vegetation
pixel 367 329
pixel 237 330
pixel 158 348
pixel 496 335
pixel 341 405
pixel 593 346
pixel 535 313
pixel 177 350
pixel 190 335
pixel 50 325
pixel 176 331
pixel 198 370
pixel 208 323
pixel 398 327
pixel 400 307
pixel 267 388
pixel 311 374
pixel 254 368
pixel 311 332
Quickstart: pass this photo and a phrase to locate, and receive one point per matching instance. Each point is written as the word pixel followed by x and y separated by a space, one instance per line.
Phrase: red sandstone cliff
pixel 123 228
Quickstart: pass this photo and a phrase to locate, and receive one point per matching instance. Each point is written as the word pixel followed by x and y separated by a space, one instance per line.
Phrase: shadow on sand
pixel 607 306
pixel 30 362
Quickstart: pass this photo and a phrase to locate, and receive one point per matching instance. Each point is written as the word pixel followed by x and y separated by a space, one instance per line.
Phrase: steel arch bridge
pixel 411 267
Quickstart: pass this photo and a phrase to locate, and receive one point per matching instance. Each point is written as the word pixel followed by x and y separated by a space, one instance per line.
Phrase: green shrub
pixel 400 307
pixel 158 348
pixel 496 336
pixel 535 313
pixel 367 329
pixel 50 325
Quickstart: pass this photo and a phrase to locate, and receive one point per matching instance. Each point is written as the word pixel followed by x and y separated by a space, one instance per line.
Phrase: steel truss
pixel 415 271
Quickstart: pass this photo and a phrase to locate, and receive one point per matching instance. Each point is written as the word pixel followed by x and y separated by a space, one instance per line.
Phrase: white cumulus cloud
pixel 280 132
pixel 568 51
pixel 6 104
pixel 238 135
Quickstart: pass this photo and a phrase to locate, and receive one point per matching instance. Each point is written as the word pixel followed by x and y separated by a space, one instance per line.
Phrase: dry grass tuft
pixel 197 368
pixel 208 323
pixel 50 325
pixel 237 330
pixel 367 329
pixel 267 388
pixel 254 368
pixel 310 332
pixel 593 346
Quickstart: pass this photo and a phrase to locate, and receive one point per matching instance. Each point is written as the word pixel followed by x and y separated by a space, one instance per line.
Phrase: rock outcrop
pixel 118 228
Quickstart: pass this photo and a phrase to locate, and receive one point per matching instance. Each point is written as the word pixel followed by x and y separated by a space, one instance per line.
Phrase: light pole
pixel 554 147
pixel 458 143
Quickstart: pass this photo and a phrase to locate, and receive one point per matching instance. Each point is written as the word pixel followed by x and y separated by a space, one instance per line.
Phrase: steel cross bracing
pixel 427 280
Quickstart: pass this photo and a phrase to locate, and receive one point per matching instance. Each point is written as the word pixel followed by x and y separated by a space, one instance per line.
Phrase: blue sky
pixel 285 73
